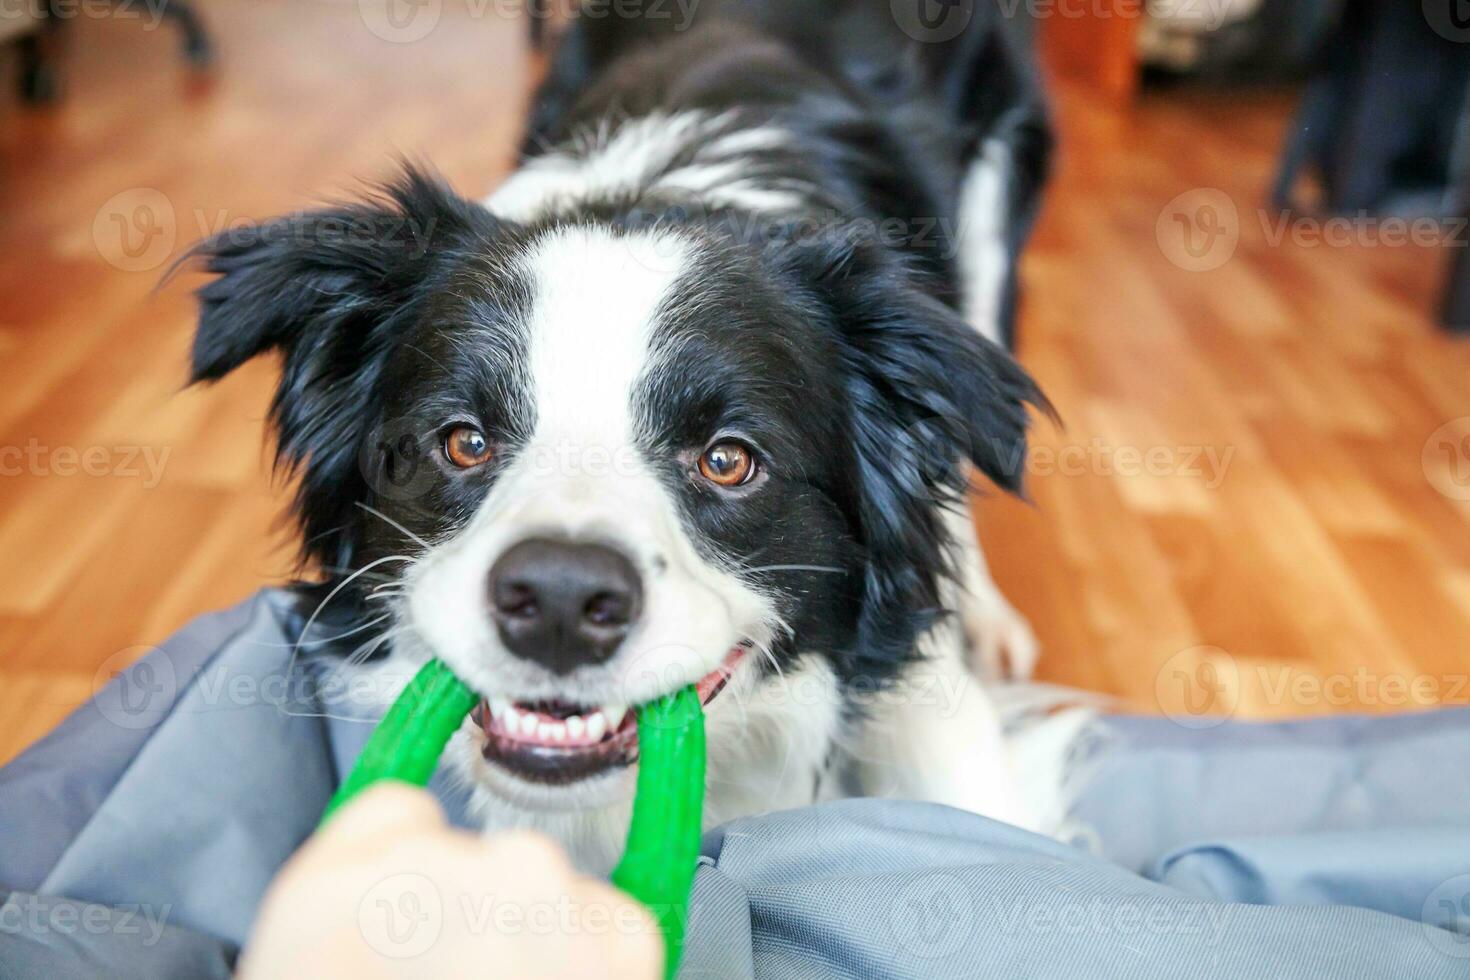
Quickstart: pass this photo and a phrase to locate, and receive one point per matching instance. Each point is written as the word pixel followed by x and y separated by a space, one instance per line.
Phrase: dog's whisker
pixel 365 652
pixel 379 514
pixel 339 570
pixel 320 641
pixel 796 568
pixel 311 620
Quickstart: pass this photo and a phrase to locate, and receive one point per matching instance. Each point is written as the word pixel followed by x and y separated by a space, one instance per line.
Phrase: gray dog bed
pixel 136 841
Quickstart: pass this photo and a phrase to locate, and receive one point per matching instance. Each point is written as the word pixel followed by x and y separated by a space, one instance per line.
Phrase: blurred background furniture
pixel 23 28
pixel 1382 116
pixel 1455 313
pixel 28 25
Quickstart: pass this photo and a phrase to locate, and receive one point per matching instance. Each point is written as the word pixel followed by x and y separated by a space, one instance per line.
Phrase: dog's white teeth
pixel 510 719
pixel 614 714
pixel 576 726
pixel 528 724
pixel 501 708
pixel 596 725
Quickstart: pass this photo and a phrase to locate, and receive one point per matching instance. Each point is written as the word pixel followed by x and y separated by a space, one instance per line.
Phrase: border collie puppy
pixel 694 398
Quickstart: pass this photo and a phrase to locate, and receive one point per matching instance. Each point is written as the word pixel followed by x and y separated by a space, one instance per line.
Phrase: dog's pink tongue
pixel 712 683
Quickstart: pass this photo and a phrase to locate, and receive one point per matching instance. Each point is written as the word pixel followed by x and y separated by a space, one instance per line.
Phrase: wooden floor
pixel 1254 506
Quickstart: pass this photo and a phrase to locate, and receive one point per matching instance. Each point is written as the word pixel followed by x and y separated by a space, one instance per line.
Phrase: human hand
pixel 388 889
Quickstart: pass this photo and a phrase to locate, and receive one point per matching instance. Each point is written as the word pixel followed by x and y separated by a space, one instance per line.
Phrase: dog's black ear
pixel 331 291
pixel 333 277
pixel 929 396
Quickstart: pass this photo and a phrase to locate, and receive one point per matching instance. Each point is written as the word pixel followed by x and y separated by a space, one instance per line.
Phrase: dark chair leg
pixel 539 13
pixel 39 81
pixel 1456 311
pixel 196 41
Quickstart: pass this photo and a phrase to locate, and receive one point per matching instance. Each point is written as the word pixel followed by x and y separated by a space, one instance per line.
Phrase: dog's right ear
pixel 325 281
pixel 332 291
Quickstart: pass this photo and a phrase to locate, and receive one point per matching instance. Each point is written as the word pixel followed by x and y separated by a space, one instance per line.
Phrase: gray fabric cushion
pixel 1233 850
pixel 863 888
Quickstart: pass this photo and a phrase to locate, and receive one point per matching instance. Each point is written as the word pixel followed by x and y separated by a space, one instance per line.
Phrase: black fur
pixel 334 292
pixel 836 351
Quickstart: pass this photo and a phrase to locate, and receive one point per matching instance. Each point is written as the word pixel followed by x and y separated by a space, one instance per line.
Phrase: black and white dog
pixel 693 398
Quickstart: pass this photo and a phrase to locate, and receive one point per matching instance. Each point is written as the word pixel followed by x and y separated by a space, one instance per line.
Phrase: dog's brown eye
pixel 727 464
pixel 467 447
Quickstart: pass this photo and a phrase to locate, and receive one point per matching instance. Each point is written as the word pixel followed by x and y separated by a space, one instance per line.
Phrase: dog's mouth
pixel 557 742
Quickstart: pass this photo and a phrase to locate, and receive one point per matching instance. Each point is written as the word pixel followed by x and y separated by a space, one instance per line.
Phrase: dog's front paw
pixel 1000 641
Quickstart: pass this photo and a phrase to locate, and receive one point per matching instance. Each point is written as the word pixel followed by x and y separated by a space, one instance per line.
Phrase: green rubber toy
pixel 662 854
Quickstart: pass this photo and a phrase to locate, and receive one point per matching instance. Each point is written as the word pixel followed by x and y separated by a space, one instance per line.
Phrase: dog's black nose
pixel 564 604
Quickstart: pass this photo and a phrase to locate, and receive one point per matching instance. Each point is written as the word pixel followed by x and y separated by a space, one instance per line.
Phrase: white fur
pixel 999 641
pixel 590 341
pixel 590 337
pixel 937 736
pixel 636 158
pixel 981 244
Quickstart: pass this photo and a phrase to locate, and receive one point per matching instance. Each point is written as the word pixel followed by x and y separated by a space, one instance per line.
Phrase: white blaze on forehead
pixel 591 336
pixel 590 332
